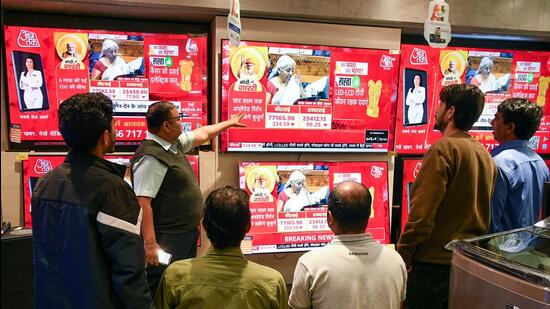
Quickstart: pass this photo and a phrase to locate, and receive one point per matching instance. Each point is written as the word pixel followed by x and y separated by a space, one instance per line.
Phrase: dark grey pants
pixel 428 286
pixel 180 245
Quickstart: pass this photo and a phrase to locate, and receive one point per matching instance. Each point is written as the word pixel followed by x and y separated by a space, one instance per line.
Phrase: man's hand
pixel 151 253
pixel 235 120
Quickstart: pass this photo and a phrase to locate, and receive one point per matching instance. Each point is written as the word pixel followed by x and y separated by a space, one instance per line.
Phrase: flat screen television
pixel 308 98
pixel 46 66
pixel 500 74
pixel 36 166
pixel 411 167
pixel 288 218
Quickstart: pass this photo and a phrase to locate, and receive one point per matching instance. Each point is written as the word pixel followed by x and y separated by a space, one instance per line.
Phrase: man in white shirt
pixel 353 271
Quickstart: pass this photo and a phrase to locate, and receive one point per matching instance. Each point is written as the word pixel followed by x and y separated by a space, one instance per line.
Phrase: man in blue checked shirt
pixel 517 194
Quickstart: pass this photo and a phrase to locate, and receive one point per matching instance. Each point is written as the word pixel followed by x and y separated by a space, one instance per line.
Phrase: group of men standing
pixel 92 232
pixel 461 192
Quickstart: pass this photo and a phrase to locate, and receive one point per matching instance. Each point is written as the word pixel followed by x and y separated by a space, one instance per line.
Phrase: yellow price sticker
pixel 22 156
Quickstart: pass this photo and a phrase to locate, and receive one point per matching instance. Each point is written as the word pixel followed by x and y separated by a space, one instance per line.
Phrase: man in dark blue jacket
pixel 88 252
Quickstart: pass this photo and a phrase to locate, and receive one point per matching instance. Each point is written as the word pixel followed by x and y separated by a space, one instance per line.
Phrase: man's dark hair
pixel 226 217
pixel 468 101
pixel 82 118
pixel 157 113
pixel 351 209
pixel 524 114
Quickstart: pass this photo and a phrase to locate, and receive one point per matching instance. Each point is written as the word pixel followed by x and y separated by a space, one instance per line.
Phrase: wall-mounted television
pixel 288 202
pixel 47 65
pixel 36 166
pixel 308 98
pixel 500 74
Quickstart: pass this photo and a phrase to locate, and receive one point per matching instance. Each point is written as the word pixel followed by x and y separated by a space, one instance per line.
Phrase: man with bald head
pixel 352 271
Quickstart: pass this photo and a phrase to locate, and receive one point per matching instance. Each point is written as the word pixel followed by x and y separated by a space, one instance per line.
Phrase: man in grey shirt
pixel 166 186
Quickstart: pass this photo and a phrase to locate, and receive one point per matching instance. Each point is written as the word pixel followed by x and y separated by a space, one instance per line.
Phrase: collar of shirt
pixel 341 239
pixel 164 144
pixel 231 251
pixel 518 143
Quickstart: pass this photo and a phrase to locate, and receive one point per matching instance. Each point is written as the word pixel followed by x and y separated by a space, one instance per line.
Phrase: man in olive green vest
pixel 166 187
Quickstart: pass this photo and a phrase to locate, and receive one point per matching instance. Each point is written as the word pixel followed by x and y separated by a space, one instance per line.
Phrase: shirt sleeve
pixel 148 176
pixel 283 196
pixel 422 96
pixel 301 285
pixel 164 298
pixel 282 294
pixel 186 139
pixel 37 80
pixel 100 66
pixel 427 194
pixel 498 202
pixel 270 87
pixel 22 81
pixel 408 99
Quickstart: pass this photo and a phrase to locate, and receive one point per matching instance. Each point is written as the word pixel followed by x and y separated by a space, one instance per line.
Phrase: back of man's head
pixel 157 113
pixel 524 114
pixel 349 203
pixel 468 101
pixel 226 217
pixel 82 118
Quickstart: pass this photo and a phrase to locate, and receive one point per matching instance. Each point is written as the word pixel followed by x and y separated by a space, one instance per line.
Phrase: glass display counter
pixel 503 270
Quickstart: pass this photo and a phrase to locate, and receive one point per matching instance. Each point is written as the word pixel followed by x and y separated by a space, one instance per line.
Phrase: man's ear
pixel 164 126
pixel 330 219
pixel 511 128
pixel 451 112
pixel 105 138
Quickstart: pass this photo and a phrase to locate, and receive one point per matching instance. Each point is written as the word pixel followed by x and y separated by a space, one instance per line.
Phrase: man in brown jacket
pixel 450 199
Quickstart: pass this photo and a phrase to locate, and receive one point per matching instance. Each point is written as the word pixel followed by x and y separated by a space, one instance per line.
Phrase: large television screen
pixel 288 202
pixel 36 166
pixel 500 74
pixel 308 98
pixel 45 66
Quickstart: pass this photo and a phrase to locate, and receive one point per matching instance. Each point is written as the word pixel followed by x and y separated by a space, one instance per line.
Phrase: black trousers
pixel 428 286
pixel 180 245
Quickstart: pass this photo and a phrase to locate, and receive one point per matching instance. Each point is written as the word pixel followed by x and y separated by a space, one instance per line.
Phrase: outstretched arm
pixel 206 133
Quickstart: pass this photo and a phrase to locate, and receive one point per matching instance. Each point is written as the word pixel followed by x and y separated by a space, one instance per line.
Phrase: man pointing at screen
pixel 166 186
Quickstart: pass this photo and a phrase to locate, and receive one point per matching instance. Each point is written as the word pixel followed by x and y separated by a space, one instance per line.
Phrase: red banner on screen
pixel 46 66
pixel 424 71
pixel 308 98
pixel 288 202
